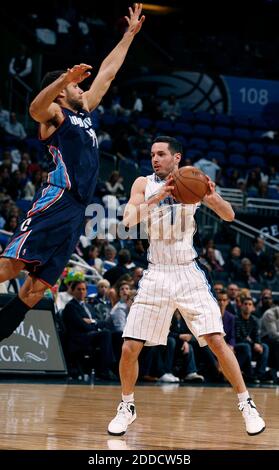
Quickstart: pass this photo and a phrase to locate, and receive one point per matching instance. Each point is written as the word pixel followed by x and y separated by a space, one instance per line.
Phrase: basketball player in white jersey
pixel 174 279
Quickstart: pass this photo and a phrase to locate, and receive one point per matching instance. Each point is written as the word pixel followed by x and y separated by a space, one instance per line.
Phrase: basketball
pixel 190 185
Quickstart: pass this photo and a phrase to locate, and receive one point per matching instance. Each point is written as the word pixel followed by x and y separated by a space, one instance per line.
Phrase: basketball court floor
pixel 47 416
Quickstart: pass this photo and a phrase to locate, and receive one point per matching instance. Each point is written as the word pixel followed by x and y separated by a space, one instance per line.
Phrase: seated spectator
pixel 270 335
pixel 86 334
pixel 92 258
pixel 209 167
pixel 248 344
pixel 14 130
pixel 4 116
pixel 139 254
pixel 184 356
pixel 233 262
pixel 233 292
pixel 114 185
pixel 247 273
pixel 265 303
pixel 171 108
pixel 109 261
pixel 21 64
pixel 101 302
pixel 124 260
pixel 121 309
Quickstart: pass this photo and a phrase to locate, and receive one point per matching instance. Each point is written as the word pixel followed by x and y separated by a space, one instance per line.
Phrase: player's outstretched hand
pixel 134 20
pixel 78 73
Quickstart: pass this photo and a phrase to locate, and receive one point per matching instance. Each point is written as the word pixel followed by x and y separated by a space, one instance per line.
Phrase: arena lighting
pixel 158 9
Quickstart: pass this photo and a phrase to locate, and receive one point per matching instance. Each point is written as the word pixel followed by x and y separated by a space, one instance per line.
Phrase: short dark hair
pixel 50 77
pixel 74 284
pixel 174 145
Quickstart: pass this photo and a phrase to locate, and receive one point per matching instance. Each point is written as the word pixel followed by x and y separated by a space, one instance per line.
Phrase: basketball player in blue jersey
pixel 45 240
pixel 174 280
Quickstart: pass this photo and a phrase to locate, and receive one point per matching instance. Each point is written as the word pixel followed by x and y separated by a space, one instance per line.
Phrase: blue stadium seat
pixel 222 132
pixel 199 143
pixel 219 156
pixel 164 125
pixel 91 289
pixel 236 147
pixel 222 120
pixel 242 134
pixel 182 128
pixel 203 116
pixel 255 148
pixel 216 144
pixel 236 159
pixel 203 130
pixel 256 160
pixel 145 123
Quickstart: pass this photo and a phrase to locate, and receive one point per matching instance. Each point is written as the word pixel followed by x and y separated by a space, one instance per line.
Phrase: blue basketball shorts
pixel 47 236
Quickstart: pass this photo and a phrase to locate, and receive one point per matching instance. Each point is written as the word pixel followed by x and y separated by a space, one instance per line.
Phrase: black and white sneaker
pixel 253 421
pixel 126 414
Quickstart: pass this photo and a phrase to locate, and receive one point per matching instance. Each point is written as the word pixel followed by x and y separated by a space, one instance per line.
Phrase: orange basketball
pixel 190 185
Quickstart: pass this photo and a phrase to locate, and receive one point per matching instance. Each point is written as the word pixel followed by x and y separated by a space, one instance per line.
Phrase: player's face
pixel 163 161
pixel 74 97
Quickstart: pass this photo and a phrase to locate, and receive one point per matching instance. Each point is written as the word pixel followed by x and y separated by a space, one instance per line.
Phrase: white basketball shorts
pixel 162 290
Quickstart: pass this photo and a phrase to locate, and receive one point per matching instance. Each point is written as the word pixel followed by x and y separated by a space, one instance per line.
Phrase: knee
pixel 31 295
pixel 130 350
pixel 216 343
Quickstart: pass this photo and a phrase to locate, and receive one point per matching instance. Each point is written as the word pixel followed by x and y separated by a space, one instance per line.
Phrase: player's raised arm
pixel 137 208
pixel 43 108
pixel 214 201
pixel 115 59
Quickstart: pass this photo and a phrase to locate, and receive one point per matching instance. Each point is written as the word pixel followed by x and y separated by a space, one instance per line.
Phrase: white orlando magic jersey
pixel 171 227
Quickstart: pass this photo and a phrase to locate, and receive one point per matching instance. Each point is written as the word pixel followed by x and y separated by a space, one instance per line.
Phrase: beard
pixel 75 104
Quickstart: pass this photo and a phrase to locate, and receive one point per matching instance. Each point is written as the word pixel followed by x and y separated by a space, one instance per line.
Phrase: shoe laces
pixel 123 411
pixel 248 408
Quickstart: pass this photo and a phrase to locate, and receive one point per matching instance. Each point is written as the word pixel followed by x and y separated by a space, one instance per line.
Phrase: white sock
pixel 243 396
pixel 128 398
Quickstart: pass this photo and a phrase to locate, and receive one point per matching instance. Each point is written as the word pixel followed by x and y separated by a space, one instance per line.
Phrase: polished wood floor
pixel 47 416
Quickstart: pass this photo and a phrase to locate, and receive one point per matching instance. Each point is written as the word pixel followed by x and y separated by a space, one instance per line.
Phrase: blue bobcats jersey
pixel 75 157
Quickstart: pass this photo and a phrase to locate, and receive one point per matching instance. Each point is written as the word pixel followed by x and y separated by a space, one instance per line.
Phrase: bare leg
pixel 227 361
pixel 129 367
pixel 32 291
pixel 10 268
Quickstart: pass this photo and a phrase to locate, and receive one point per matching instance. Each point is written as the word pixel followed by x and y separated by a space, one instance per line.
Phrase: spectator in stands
pixel 93 258
pixel 265 303
pixel 4 116
pixel 87 334
pixel 21 65
pixel 209 243
pixel 109 261
pixel 114 185
pixel 170 108
pixel 227 317
pixel 270 335
pixel 248 345
pixel 114 290
pixel 11 224
pixel 121 309
pixel 15 130
pixel 233 263
pixel 210 257
pixel 184 356
pixel 63 298
pixel 218 287
pixel 113 274
pixel 101 303
pixel 209 167
pixel 258 257
pixel 247 274
pixel 136 276
pixel 232 291
pixel 138 254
